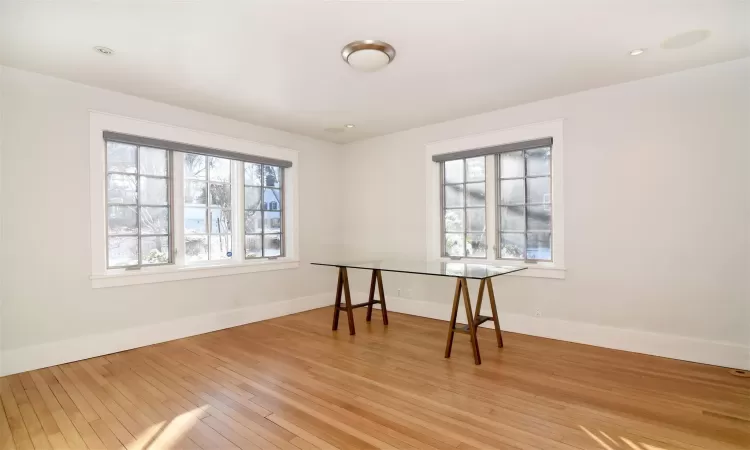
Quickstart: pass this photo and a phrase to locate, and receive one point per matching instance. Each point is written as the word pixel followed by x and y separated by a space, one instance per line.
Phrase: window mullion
pixel 237 188
pixel 178 208
pixel 490 201
pixel 138 202
pixel 525 207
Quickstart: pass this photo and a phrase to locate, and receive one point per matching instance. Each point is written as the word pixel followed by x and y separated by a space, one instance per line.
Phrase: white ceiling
pixel 277 62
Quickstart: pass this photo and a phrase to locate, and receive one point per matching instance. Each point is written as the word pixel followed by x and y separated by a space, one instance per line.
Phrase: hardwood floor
pixel 291 383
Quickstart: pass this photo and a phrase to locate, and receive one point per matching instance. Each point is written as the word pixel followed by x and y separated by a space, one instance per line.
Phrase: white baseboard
pixel 60 352
pixel 725 354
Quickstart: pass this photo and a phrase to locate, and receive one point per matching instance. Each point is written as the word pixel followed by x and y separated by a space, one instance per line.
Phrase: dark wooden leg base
pixel 343 285
pixel 462 289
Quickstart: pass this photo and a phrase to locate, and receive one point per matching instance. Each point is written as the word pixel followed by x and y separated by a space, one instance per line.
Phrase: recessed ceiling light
pixel 103 50
pixel 349 125
pixel 636 52
pixel 368 55
pixel 684 40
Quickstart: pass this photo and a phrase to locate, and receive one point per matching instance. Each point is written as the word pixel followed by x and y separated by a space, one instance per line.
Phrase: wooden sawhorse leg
pixel 462 289
pixel 480 319
pixel 343 285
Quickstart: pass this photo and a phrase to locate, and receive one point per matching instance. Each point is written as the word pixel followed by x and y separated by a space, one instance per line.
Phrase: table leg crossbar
pixel 476 319
pixel 343 287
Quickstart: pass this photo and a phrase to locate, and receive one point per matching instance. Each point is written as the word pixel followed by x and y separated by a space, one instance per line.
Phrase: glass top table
pixel 438 268
pixel 461 271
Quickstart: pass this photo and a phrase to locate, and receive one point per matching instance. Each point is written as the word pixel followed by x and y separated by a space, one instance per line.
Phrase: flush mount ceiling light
pixel 368 56
pixel 103 50
pixel 637 51
pixel 349 125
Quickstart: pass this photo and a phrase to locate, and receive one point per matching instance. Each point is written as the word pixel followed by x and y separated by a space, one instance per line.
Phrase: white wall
pixel 657 212
pixel 46 260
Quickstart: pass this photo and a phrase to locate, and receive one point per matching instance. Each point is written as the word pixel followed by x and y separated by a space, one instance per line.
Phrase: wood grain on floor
pixel 291 383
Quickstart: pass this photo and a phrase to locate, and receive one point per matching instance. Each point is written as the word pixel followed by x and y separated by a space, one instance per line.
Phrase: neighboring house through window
pixel 176 204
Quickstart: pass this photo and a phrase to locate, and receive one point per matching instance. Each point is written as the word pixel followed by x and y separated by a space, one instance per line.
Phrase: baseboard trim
pixel 69 350
pixel 717 353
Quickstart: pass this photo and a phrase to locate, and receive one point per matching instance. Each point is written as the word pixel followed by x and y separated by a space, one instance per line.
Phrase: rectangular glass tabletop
pixel 437 268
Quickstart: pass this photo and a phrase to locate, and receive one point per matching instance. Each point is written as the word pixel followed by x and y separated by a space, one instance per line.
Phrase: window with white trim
pixel 138 206
pixel 463 190
pixel 208 208
pixel 141 206
pixel 525 204
pixel 263 211
pixel 513 215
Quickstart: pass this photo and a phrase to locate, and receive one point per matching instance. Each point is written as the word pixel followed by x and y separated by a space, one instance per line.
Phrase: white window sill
pixel 539 270
pixel 114 278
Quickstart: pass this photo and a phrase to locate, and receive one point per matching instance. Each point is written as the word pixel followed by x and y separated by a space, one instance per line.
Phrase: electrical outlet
pixel 398 292
pixel 537 313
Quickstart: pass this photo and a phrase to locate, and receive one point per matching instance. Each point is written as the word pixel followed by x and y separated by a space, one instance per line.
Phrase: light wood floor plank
pixel 292 384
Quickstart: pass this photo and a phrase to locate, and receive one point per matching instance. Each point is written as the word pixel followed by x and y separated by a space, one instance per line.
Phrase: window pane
pixel 272 176
pixel 474 219
pixel 195 193
pixel 253 174
pixel 153 191
pixel 121 189
pixel 454 220
pixel 512 245
pixel 271 199
pixel 271 245
pixel 195 166
pixel 476 246
pixel 454 196
pixel 195 220
pixel 221 195
pixel 537 190
pixel 219 169
pixel 455 244
pixel 252 222
pixel 475 169
pixel 123 251
pixel 153 161
pixel 252 198
pixel 122 220
pixel 511 192
pixel 221 221
pixel 511 218
pixel 155 250
pixel 253 247
pixel 454 171
pixel 537 161
pixel 154 221
pixel 539 246
pixel 271 222
pixel 538 218
pixel 511 164
pixel 475 194
pixel 196 248
pixel 121 157
pixel 221 247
